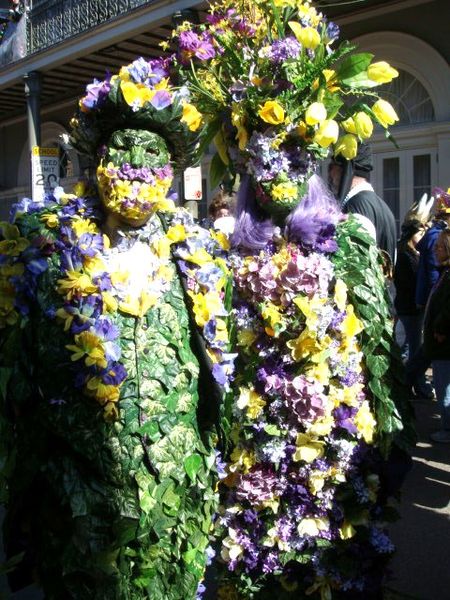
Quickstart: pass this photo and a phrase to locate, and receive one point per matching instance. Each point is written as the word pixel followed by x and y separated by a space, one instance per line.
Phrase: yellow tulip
pixel 384 113
pixel 349 125
pixel 347 145
pixel 272 112
pixel 307 36
pixel 381 72
pixel 327 133
pixel 315 113
pixel 191 116
pixel 363 125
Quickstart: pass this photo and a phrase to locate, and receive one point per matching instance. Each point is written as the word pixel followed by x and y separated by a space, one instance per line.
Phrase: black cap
pixel 360 166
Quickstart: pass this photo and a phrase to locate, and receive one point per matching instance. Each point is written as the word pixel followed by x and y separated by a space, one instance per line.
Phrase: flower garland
pixel 95 284
pixel 296 492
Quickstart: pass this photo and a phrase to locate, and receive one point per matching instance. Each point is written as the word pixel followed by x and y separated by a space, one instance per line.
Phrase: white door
pixel 401 177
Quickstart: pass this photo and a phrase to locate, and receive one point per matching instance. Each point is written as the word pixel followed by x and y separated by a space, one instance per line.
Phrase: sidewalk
pixel 421 566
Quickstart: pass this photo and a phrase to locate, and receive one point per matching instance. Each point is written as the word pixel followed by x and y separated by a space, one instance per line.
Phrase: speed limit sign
pixel 44 171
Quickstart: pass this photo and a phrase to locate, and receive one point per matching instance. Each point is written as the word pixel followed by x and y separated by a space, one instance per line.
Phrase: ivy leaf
pixel 217 171
pixel 192 465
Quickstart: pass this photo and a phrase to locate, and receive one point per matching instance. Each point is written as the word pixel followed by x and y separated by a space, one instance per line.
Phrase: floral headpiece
pixel 140 96
pixel 275 92
pixel 442 200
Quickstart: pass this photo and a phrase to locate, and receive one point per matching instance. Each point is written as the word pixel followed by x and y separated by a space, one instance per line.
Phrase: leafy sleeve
pixel 358 264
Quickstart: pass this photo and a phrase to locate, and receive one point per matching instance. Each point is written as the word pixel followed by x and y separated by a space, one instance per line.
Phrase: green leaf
pixel 192 465
pixel 5 374
pixel 378 365
pixel 217 171
pixel 353 65
pixel 360 81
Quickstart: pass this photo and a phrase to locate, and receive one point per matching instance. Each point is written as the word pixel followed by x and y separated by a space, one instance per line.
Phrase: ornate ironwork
pixel 53 21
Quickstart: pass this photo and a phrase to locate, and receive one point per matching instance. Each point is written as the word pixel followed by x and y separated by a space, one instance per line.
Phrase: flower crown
pixel 140 96
pixel 267 79
pixel 442 200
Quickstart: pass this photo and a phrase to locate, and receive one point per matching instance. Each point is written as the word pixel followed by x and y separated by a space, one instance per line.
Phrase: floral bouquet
pixel 268 78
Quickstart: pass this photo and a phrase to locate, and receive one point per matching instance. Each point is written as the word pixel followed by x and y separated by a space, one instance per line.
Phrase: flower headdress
pixel 276 94
pixel 140 96
pixel 442 200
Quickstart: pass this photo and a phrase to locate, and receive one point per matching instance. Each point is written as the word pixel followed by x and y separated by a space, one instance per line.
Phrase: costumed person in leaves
pixel 107 463
pixel 319 415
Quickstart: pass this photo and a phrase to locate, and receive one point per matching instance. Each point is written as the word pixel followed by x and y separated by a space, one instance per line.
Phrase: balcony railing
pixel 53 21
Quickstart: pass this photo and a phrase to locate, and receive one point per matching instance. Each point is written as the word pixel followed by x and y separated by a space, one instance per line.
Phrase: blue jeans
pixel 413 326
pixel 441 379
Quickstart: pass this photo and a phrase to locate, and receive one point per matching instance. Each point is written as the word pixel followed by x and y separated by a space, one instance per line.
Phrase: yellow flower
pixel 349 125
pixel 363 125
pixel 221 238
pixel 176 233
pixel 284 191
pixel 101 391
pixel 76 283
pixel 272 112
pixel 162 247
pixel 330 78
pixel 340 294
pixel 321 427
pixel 89 345
pixel 231 550
pixel 351 325
pixel 241 460
pixel 109 302
pixel 80 226
pixel 347 145
pixel 246 337
pixel 303 346
pixel 365 422
pixel 384 113
pixel 205 306
pixel 138 306
pixel 311 308
pixel 347 531
pixel 51 220
pixel 320 372
pixel 315 113
pixel 307 448
pixel 135 94
pixel 251 401
pixel 13 244
pixel 307 36
pixel 200 257
pixel 381 72
pixel 191 116
pixel 312 526
pixel 271 314
pixel 327 133
pixel 316 481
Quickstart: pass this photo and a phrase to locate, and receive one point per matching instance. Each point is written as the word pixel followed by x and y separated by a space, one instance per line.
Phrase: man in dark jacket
pixel 349 180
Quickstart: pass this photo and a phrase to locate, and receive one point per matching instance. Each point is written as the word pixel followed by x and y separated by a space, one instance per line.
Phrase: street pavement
pixel 420 569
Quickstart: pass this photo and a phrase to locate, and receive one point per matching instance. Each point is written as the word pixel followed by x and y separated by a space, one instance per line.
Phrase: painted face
pixel 135 175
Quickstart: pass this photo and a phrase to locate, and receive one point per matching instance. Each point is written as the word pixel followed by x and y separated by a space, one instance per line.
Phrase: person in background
pixel 437 335
pixel 405 276
pixel 428 272
pixel 221 214
pixel 349 181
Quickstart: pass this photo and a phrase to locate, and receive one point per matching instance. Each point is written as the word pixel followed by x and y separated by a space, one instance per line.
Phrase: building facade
pixel 58 46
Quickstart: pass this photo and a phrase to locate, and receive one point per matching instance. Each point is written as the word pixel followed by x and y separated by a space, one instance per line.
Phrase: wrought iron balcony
pixel 53 21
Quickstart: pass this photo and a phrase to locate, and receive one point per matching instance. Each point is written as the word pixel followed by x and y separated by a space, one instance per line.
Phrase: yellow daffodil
pixel 272 112
pixel 101 391
pixel 307 36
pixel 205 306
pixel 110 304
pixel 363 125
pixel 271 314
pixel 340 294
pixel 315 113
pixel 191 116
pixel 321 427
pixel 381 72
pixel 351 325
pixel 307 448
pixel 199 257
pixel 284 191
pixel 76 283
pixel 316 481
pixel 88 345
pixel 365 422
pixel 330 79
pixel 319 372
pixel 384 113
pixel 347 145
pixel 51 220
pixel 327 133
pixel 176 233
pixel 222 239
pixel 312 526
pixel 241 460
pixel 305 345
pixel 252 402
pixel 138 306
pixel 162 247
pixel 347 531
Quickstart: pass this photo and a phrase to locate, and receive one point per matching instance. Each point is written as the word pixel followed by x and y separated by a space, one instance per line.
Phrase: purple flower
pixel 259 485
pixel 381 541
pixel 115 374
pixel 343 416
pixel 161 99
pixel 304 400
pixel 106 329
pixel 90 244
pixel 96 93
pixel 284 49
